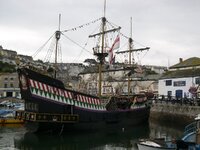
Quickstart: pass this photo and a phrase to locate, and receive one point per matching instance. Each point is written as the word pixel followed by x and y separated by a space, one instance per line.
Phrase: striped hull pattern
pixel 63 96
pixel 46 98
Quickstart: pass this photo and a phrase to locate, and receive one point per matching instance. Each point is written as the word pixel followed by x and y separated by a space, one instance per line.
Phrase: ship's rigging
pixel 57 109
pixel 101 49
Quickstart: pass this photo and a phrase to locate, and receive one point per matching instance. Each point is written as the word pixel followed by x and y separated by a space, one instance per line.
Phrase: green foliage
pixel 7 68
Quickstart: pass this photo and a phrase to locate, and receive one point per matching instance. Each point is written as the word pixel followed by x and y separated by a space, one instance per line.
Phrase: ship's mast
pixel 57 36
pixel 102 56
pixel 130 48
pixel 101 53
pixel 130 51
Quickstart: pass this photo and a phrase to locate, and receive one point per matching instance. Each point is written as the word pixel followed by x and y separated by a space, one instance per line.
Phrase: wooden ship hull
pixel 51 107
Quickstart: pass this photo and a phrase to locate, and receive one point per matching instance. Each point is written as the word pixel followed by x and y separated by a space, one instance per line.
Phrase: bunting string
pixel 83 25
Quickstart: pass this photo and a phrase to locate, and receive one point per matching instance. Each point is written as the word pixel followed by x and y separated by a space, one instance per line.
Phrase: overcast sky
pixel 171 28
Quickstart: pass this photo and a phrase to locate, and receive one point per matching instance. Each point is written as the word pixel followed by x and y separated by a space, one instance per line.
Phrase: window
pixel 168 82
pixel 11 78
pixel 169 93
pixel 197 80
pixel 5 85
pixel 104 90
pixel 179 83
pixel 11 85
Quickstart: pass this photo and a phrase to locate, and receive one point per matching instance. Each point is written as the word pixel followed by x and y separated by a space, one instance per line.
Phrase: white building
pixel 181 78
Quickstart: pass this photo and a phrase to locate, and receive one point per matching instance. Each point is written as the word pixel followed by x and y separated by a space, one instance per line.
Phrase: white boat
pixel 156 144
pixel 190 139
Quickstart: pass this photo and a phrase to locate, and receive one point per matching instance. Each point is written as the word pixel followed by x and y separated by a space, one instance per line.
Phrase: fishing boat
pixel 49 106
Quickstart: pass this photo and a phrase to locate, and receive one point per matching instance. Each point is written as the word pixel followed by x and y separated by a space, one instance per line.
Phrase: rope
pixel 60 52
pixel 35 54
pixel 50 51
pixel 113 26
pixel 75 43
pixel 75 60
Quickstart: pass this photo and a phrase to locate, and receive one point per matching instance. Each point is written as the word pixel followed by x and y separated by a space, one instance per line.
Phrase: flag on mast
pixel 115 45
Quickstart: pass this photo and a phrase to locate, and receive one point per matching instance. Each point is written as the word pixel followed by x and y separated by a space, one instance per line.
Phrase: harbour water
pixel 17 138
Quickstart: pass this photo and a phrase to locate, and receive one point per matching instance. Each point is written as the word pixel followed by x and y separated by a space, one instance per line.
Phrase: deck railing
pixel 190 128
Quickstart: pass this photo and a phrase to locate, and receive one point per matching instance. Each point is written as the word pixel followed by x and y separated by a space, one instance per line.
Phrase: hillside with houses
pixel 178 81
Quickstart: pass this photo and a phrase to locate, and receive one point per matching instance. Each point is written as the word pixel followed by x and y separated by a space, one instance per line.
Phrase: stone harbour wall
pixel 174 113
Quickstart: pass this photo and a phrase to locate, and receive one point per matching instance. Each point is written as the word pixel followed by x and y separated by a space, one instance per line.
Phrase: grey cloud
pixel 169 27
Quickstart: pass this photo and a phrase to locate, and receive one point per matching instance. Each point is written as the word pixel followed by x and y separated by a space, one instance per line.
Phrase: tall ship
pixel 50 106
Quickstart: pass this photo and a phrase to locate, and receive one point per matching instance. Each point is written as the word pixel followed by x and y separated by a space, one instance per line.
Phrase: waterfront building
pixel 9 85
pixel 182 80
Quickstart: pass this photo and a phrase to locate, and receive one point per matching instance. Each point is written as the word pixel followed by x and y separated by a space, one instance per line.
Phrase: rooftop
pixel 181 73
pixel 191 62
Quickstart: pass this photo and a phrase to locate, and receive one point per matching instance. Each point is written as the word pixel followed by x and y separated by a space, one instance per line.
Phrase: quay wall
pixel 179 114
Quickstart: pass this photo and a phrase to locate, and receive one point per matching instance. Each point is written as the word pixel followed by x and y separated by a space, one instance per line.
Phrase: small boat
pixel 156 144
pixel 8 117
